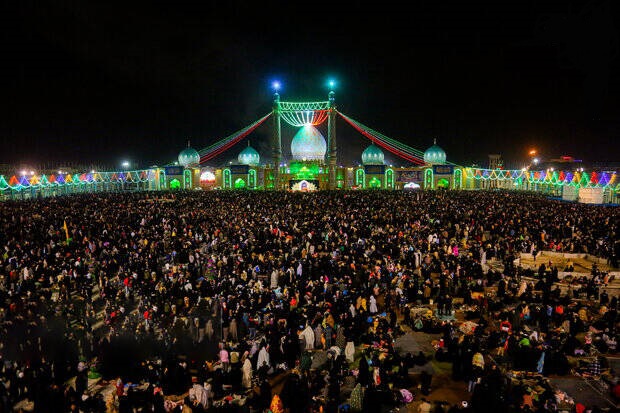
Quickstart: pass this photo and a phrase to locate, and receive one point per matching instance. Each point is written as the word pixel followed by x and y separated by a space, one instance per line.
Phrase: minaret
pixel 276 142
pixel 331 141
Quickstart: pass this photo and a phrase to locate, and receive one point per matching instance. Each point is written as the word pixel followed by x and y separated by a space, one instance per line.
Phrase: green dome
pixel 373 155
pixel 189 157
pixel 249 156
pixel 308 144
pixel 435 154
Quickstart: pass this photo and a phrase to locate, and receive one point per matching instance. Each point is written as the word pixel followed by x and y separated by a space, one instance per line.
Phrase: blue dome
pixel 373 155
pixel 189 157
pixel 435 154
pixel 249 156
pixel 308 144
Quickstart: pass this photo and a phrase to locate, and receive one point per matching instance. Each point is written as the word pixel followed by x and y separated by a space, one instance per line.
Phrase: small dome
pixel 373 155
pixel 308 144
pixel 189 157
pixel 249 156
pixel 435 154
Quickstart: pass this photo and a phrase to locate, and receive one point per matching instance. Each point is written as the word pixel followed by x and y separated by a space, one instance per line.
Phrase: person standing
pixel 373 305
pixel 246 370
pixel 224 357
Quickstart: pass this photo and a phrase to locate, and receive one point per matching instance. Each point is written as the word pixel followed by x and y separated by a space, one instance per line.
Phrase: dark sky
pixel 101 82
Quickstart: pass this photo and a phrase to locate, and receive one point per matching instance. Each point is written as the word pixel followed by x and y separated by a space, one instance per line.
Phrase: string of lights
pixel 298 118
pixel 392 148
pixel 224 144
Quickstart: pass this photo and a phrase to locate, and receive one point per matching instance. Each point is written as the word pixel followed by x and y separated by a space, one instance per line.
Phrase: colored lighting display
pixel 304 170
pixel 303 113
pixel 207 177
pixel 307 115
pixel 59 180
pixel 299 118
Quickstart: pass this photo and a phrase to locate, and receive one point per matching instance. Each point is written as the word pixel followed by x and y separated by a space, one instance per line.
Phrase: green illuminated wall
pixel 360 178
pixel 304 170
pixel 227 179
pixel 429 179
pixel 389 179
pixel 187 179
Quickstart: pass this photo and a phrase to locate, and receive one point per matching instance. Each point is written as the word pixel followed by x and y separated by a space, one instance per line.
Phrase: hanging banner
pixel 239 169
pixel 174 170
pixel 443 169
pixel 408 176
pixel 374 169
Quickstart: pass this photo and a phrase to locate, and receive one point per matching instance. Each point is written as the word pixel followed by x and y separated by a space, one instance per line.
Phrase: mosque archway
pixel 374 183
pixel 239 183
pixel 443 183
pixel 175 184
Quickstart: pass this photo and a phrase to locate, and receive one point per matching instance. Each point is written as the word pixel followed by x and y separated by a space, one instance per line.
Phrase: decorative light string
pixel 398 151
pixel 229 141
pixel 59 180
pixel 298 118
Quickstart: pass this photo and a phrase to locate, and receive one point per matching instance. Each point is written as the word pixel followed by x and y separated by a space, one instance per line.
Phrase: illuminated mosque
pixel 313 159
pixel 313 165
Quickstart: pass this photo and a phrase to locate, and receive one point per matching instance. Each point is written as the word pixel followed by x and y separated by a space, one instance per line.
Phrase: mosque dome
pixel 249 156
pixel 189 157
pixel 373 155
pixel 435 154
pixel 308 144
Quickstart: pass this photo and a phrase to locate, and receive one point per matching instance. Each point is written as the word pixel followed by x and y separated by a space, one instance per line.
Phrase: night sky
pixel 101 83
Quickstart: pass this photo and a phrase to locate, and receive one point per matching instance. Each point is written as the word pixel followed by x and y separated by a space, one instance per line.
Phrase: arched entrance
pixel 239 183
pixel 175 184
pixel 374 183
pixel 443 183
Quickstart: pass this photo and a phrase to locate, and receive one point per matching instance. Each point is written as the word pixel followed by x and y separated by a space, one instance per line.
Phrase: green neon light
pixel 252 179
pixel 443 183
pixel 175 184
pixel 227 179
pixel 374 183
pixel 239 183
pixel 187 179
pixel 389 178
pixel 304 170
pixel 429 179
pixel 360 178
pixel 457 179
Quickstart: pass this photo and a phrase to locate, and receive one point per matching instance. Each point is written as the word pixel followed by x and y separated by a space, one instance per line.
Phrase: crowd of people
pixel 211 295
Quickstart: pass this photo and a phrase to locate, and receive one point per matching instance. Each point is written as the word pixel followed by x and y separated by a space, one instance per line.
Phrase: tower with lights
pixel 332 155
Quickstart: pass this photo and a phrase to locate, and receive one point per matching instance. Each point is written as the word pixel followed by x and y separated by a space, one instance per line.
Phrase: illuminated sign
pixel 374 169
pixel 443 169
pixel 174 170
pixel 408 176
pixel 303 184
pixel 239 169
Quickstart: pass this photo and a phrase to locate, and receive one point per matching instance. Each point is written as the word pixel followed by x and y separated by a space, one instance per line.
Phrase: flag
pixel 66 230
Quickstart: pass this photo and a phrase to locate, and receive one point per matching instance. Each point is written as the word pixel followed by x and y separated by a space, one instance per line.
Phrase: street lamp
pixel 125 164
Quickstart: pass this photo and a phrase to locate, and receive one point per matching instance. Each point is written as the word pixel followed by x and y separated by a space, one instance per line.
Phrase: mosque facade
pixel 307 170
pixel 311 163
